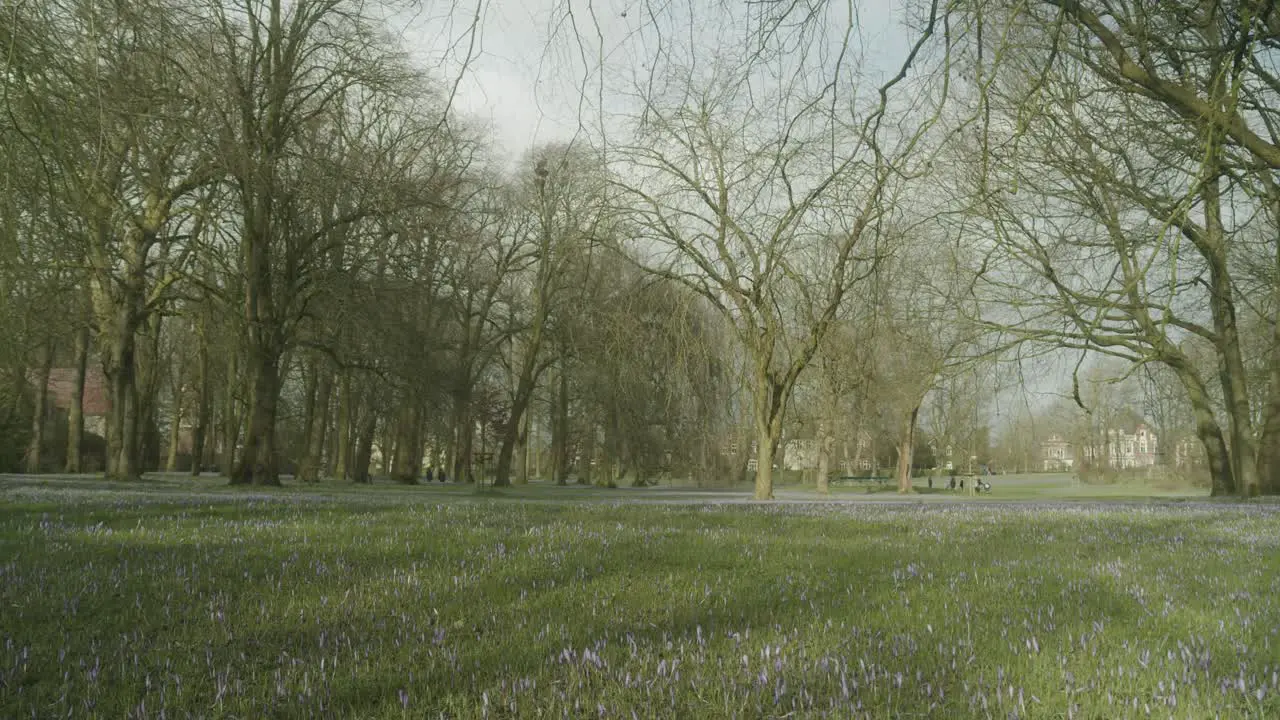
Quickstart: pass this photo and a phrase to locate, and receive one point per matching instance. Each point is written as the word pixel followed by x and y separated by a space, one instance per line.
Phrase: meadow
pixel 183 599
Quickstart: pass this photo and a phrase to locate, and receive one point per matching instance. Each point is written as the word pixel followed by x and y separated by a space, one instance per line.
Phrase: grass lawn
pixel 187 600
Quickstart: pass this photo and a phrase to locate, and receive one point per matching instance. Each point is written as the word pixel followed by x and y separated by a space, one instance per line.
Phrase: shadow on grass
pixel 342 606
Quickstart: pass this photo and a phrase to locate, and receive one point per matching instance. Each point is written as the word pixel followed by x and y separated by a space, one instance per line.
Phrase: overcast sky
pixel 531 58
pixel 527 63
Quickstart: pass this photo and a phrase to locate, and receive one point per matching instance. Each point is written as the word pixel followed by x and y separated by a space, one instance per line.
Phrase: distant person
pixel 952 485
pixel 430 473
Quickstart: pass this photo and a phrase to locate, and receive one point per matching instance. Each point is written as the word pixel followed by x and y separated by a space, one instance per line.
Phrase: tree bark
pixel 231 420
pixel 259 463
pixel 764 463
pixel 406 468
pixel 511 429
pixel 1269 441
pixel 522 453
pixel 1222 477
pixel 1231 363
pixel 309 469
pixel 906 447
pixel 34 447
pixel 151 368
pixel 119 367
pixel 75 414
pixel 464 432
pixel 119 304
pixel 342 432
pixel 263 336
pixel 560 426
pixel 364 447
pixel 769 399
pixel 310 372
pixel 418 440
pixel 204 401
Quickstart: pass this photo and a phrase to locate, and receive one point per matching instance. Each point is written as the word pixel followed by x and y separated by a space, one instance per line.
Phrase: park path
pixel 161 488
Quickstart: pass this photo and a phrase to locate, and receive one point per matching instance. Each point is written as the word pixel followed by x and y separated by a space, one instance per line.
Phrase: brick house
pixel 61 387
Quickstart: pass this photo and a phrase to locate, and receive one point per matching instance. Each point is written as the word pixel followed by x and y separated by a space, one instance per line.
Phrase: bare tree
pixel 921 335
pixel 565 189
pixel 289 69
pixel 126 162
pixel 754 184
pixel 1138 140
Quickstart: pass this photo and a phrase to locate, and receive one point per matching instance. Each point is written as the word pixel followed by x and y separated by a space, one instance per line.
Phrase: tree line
pixel 288 253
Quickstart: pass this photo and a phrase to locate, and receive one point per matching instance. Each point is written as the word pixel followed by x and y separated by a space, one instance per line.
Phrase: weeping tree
pixel 756 176
pixel 564 193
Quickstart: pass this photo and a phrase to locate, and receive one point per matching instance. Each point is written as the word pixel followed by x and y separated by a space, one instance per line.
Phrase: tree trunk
pixel 1269 438
pixel 768 403
pixel 1231 369
pixel 906 447
pixel 119 305
pixel 511 429
pixel 309 470
pixel 38 413
pixel 418 440
pixel 1269 442
pixel 560 426
pixel 259 464
pixel 406 468
pixel 231 420
pixel 310 379
pixel 463 432
pixel 264 336
pixel 522 452
pixel 120 367
pixel 204 402
pixel 764 463
pixel 535 451
pixel 1222 477
pixel 75 414
pixel 342 432
pixel 364 447
pixel 151 368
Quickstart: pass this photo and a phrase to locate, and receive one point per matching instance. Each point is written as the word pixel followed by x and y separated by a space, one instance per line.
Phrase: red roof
pixel 62 380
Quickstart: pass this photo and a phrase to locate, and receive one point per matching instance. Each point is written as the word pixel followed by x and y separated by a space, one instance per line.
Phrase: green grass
pixel 193 600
